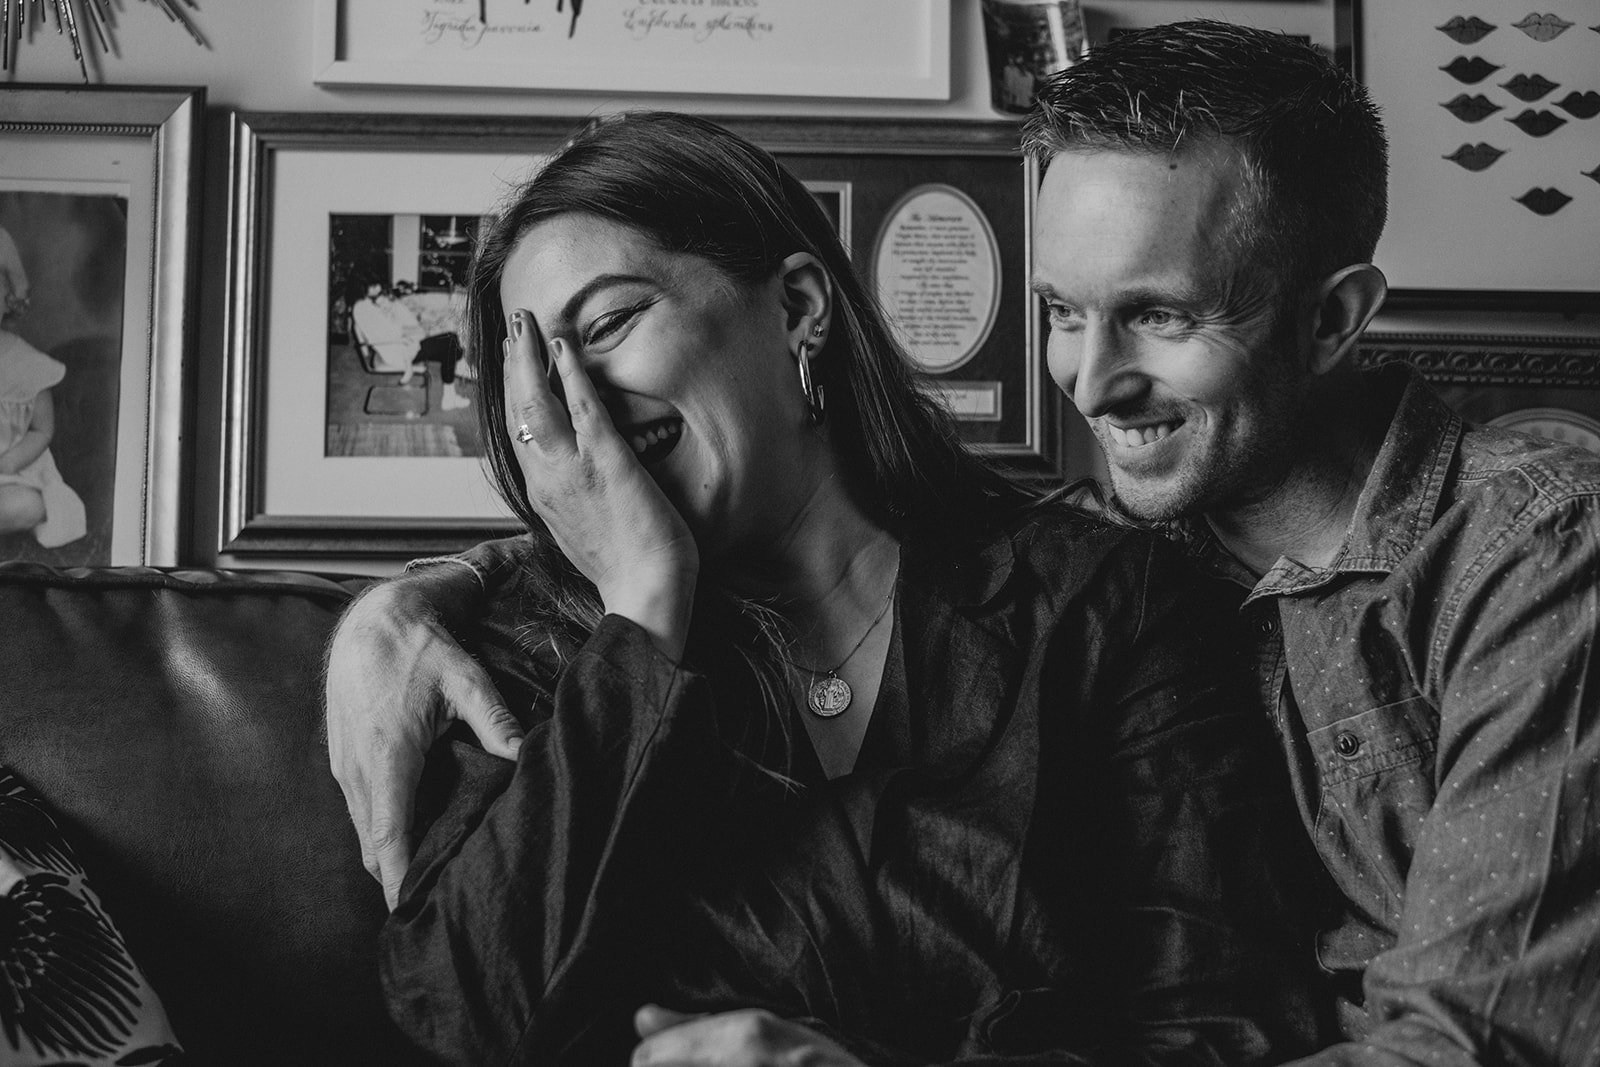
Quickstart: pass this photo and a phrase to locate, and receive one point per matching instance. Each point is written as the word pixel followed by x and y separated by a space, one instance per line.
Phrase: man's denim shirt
pixel 1436 691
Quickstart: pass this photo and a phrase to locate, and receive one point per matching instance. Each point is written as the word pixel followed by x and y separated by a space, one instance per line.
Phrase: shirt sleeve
pixel 534 885
pixel 493 563
pixel 1197 918
pixel 1498 952
pixel 1211 884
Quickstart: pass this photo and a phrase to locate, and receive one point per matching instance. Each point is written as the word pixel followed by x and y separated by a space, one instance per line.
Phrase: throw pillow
pixel 70 994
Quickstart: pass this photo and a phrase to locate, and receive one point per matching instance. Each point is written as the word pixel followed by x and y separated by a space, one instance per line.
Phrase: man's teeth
pixel 1136 436
pixel 642 441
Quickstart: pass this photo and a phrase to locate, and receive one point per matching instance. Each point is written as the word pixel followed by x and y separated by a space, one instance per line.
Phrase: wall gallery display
pixel 1493 116
pixel 337 446
pixel 884 49
pixel 98 228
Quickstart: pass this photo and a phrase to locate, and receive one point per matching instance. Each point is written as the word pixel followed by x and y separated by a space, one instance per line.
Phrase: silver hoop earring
pixel 809 388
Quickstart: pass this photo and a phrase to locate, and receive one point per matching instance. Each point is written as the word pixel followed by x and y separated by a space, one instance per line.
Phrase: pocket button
pixel 1347 745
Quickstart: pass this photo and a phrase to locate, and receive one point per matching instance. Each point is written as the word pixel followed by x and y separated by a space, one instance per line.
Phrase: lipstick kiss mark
pixel 1475 157
pixel 1595 174
pixel 1580 105
pixel 1467 30
pixel 1471 108
pixel 1543 28
pixel 1537 123
pixel 1544 201
pixel 1529 87
pixel 1469 71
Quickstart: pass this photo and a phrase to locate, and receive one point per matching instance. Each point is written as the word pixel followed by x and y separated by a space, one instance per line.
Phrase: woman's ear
pixel 807 300
pixel 1346 302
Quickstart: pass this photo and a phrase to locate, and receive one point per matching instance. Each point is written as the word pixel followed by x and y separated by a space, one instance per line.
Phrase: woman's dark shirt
pixel 1066 840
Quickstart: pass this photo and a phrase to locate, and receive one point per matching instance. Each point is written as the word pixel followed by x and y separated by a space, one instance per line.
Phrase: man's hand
pixel 730 1039
pixel 396 679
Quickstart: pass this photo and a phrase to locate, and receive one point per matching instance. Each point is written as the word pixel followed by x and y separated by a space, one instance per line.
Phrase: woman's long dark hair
pixel 694 187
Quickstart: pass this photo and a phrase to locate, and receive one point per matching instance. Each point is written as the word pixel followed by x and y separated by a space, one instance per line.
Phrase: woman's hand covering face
pixel 603 509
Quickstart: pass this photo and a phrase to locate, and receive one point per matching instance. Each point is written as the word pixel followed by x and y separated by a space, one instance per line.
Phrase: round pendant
pixel 828 696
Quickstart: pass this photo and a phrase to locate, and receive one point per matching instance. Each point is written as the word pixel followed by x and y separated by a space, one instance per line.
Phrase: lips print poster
pixel 1493 112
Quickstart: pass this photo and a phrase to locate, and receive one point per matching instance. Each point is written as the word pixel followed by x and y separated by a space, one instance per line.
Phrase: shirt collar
pixel 1400 501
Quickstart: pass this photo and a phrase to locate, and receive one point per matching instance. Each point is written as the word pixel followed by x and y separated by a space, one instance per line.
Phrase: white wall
pixel 259 57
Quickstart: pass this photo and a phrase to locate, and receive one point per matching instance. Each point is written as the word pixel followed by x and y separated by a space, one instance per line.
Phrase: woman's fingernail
pixel 505 348
pixel 516 325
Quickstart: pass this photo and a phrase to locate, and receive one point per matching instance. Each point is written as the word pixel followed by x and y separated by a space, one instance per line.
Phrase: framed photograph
pixel 1493 117
pixel 817 48
pixel 98 222
pixel 349 231
pixel 1545 386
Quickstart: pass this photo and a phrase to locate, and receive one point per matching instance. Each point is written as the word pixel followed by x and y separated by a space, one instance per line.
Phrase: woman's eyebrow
pixel 588 289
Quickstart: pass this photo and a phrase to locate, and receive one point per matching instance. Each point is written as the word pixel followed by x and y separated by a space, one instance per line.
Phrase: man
pixel 1425 596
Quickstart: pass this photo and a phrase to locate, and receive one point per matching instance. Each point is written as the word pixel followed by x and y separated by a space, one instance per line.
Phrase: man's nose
pixel 1105 373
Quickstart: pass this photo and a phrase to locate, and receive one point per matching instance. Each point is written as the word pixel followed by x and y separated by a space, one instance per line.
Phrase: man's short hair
pixel 1311 139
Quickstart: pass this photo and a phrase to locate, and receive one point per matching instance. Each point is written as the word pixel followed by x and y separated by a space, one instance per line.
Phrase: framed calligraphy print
pixel 820 48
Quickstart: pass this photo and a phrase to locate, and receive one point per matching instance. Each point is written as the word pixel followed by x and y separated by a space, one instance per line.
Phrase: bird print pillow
pixel 70 994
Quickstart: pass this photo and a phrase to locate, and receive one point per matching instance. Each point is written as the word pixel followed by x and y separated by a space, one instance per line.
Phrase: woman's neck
pixel 824 573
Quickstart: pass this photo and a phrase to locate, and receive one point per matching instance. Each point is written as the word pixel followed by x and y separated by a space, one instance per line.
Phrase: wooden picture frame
pixel 888 49
pixel 100 187
pixel 285 494
pixel 1546 386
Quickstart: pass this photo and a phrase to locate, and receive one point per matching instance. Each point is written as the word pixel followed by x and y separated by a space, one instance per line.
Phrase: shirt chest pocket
pixel 1388 738
pixel 1377 785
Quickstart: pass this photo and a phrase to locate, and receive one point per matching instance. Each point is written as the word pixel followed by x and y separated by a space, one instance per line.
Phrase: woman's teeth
pixel 1136 436
pixel 657 441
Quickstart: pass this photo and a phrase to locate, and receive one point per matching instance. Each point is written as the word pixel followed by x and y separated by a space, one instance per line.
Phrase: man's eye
pixel 1061 316
pixel 1159 317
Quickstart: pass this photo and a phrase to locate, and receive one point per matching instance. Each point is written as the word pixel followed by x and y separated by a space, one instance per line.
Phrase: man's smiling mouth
pixel 653 441
pixel 1139 436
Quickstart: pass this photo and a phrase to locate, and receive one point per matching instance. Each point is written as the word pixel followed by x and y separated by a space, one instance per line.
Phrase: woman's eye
pixel 609 323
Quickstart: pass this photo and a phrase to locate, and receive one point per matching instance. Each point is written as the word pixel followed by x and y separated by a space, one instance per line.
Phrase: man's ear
pixel 807 300
pixel 1346 301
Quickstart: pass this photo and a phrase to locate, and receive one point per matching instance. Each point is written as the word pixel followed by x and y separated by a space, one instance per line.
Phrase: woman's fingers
pixel 532 410
pixel 590 420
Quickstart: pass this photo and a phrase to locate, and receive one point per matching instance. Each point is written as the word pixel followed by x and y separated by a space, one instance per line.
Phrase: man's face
pixel 1173 348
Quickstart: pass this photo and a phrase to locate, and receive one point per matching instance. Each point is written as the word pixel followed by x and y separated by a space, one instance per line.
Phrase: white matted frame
pixel 144 145
pixel 881 49
pixel 1494 133
pixel 281 492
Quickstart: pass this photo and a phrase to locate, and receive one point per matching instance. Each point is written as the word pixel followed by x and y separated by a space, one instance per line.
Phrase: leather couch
pixel 172 719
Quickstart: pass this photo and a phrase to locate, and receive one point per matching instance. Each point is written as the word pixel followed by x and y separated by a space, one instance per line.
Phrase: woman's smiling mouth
pixel 653 441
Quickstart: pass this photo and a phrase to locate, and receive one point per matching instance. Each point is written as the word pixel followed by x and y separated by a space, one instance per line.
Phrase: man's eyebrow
pixel 1140 296
pixel 575 302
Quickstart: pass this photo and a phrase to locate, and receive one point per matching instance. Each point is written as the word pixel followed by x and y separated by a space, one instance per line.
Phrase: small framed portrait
pixel 97 237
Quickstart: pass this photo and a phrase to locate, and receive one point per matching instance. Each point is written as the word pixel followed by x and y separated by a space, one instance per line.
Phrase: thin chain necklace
pixel 830 694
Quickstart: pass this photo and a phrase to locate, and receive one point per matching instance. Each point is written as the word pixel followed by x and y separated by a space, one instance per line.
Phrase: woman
pixel 1020 813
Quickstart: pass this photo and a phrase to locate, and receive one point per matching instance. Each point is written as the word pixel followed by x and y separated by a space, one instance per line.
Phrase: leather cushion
pixel 172 719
